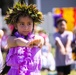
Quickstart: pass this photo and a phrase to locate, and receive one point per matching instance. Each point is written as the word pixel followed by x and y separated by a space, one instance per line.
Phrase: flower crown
pixel 29 10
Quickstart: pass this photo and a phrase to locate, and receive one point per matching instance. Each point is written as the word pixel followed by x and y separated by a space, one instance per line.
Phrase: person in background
pixel 42 33
pixel 24 55
pixel 4 46
pixel 48 62
pixel 4 49
pixel 63 56
pixel 1 57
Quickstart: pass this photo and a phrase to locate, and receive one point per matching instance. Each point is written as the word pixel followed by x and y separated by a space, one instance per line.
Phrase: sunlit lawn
pixel 46 73
pixel 73 72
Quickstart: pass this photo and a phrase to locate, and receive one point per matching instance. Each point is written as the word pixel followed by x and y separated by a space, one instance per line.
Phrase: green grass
pixel 46 73
pixel 53 51
pixel 73 72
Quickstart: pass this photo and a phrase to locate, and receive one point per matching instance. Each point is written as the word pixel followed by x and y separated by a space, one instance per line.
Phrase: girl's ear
pixel 16 27
pixel 33 27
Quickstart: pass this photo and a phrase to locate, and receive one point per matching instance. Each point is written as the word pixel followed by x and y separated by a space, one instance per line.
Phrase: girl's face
pixel 24 25
pixel 61 26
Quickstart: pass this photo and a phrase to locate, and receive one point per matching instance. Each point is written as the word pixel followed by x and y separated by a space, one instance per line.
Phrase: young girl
pixel 63 39
pixel 24 56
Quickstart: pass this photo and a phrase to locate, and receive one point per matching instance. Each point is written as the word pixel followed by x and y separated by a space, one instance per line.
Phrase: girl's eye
pixel 21 24
pixel 29 24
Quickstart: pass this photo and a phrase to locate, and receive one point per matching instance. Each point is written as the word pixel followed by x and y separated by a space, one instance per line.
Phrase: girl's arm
pixel 40 40
pixel 68 44
pixel 60 45
pixel 69 41
pixel 13 42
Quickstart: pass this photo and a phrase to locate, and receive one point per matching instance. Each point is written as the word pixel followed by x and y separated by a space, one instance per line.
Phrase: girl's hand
pixel 35 42
pixel 67 50
pixel 63 51
pixel 40 45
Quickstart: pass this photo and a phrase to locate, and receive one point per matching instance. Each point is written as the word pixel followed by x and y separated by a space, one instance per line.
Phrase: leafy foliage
pixel 18 9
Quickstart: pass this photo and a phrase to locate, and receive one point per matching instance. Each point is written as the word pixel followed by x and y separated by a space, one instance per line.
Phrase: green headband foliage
pixel 29 10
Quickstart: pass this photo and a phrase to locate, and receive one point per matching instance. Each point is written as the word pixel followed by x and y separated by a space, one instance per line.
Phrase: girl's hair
pixel 23 10
pixel 13 31
pixel 60 20
pixel 19 9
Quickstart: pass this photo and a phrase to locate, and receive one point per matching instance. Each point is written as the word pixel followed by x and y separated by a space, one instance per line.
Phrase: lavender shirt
pixel 62 60
pixel 24 60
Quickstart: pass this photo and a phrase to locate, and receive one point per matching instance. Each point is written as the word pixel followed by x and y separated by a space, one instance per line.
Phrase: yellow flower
pixel 39 13
pixel 31 10
pixel 10 11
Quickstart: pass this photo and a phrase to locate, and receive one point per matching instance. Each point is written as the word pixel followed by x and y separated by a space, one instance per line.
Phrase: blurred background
pixel 51 9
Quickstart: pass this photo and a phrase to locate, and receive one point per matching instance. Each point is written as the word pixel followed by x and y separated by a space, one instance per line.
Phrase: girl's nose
pixel 26 27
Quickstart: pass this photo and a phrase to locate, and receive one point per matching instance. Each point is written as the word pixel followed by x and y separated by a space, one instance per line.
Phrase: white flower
pixel 21 50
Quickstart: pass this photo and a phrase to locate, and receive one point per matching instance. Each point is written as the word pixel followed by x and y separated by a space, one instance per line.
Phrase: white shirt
pixel 1 58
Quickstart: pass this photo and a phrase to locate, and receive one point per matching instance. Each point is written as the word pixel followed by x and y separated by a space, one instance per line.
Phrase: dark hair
pixel 13 32
pixel 4 29
pixel 22 15
pixel 25 10
pixel 60 20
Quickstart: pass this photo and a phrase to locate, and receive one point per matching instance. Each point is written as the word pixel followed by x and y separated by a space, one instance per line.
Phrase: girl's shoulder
pixel 68 32
pixel 11 41
pixel 11 38
pixel 56 34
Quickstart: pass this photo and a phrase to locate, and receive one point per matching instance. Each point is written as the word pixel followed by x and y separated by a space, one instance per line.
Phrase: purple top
pixel 24 60
pixel 61 59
